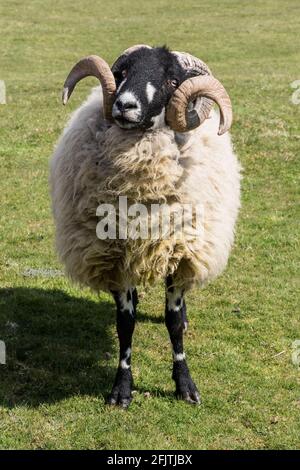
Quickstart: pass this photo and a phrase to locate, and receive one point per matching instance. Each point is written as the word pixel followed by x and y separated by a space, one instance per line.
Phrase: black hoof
pixel 185 388
pixel 191 396
pixel 121 391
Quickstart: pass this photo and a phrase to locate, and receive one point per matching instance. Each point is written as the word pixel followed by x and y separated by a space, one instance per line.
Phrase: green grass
pixel 53 388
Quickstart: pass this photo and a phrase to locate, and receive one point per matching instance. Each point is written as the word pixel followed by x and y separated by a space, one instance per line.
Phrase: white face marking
pixel 123 362
pixel 178 357
pixel 150 92
pixel 159 120
pixel 121 84
pixel 133 113
pixel 128 97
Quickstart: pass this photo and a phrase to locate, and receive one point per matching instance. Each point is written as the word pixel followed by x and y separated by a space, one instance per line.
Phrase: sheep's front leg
pixel 176 322
pixel 126 312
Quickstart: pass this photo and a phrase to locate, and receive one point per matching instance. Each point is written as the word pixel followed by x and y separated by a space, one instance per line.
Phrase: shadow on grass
pixel 56 345
pixel 145 318
pixel 157 392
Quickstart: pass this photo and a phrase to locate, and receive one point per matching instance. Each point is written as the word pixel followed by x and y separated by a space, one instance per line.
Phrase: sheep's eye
pixel 173 83
pixel 124 73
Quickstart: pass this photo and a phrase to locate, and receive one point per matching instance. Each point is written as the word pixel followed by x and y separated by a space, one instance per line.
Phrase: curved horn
pixel 126 53
pixel 191 63
pixel 181 119
pixel 194 67
pixel 135 48
pixel 96 67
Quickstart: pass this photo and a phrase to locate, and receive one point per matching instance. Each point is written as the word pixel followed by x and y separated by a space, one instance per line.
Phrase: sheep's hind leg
pixel 176 322
pixel 126 303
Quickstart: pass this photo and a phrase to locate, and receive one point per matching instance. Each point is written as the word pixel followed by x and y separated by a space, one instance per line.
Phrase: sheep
pixel 148 134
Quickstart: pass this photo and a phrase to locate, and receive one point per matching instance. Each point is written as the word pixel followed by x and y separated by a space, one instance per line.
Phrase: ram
pixel 148 134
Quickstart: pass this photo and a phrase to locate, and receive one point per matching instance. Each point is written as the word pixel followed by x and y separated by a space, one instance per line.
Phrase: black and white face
pixel 146 80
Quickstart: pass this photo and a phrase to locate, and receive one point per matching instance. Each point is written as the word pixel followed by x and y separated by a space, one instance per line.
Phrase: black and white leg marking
pixel 126 302
pixel 176 322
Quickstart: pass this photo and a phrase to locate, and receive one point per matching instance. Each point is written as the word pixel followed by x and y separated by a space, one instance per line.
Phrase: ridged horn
pixel 135 48
pixel 93 66
pixel 126 53
pixel 203 89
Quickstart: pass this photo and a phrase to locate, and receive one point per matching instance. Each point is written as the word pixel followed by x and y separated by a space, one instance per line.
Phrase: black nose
pixel 125 106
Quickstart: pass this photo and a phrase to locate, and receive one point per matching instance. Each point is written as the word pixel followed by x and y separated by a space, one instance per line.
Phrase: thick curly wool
pixel 95 164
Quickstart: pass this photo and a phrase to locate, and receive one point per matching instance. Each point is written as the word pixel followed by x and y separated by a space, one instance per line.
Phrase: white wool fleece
pixel 94 164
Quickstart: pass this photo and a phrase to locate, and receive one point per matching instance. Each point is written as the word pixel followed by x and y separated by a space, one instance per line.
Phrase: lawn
pixel 61 341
